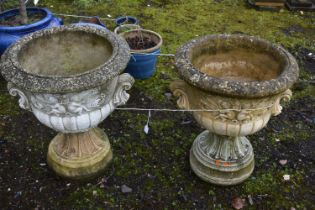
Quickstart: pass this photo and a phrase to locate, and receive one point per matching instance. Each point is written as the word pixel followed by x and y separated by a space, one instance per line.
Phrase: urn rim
pixel 244 89
pixel 13 71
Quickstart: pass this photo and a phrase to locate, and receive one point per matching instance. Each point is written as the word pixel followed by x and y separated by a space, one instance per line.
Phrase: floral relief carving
pixel 225 109
pixel 74 104
pixel 236 110
pixel 68 104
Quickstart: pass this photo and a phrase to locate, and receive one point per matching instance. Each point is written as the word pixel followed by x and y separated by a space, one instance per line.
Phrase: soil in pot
pixel 15 20
pixel 140 42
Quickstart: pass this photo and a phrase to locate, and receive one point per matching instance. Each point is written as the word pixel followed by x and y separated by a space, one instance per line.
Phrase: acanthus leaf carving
pixel 178 89
pixel 71 104
pixel 182 100
pixel 23 100
pixel 125 82
pixel 223 148
pixel 235 110
pixel 277 108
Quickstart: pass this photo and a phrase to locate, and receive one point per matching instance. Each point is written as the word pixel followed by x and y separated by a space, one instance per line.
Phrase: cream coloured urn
pixel 70 78
pixel 239 82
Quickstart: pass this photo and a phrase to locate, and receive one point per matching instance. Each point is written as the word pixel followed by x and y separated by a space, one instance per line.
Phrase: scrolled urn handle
pixel 23 101
pixel 285 96
pixel 125 82
pixel 178 89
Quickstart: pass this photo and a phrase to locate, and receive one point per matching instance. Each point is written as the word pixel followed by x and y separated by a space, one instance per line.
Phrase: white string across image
pixel 82 16
pixel 159 54
pixel 189 110
pixel 146 127
pixel 149 54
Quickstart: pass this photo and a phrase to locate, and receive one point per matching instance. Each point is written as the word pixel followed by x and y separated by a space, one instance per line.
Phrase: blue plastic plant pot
pixel 10 34
pixel 126 20
pixel 142 63
pixel 142 66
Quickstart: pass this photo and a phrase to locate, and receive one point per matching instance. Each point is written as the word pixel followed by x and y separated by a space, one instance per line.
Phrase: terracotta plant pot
pixel 70 78
pixel 242 79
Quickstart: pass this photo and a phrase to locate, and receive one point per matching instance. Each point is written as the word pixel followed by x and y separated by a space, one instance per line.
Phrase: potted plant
pixel 16 23
pixel 144 46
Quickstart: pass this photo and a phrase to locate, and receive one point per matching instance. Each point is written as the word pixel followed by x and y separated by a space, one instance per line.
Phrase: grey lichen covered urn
pixel 70 78
pixel 240 80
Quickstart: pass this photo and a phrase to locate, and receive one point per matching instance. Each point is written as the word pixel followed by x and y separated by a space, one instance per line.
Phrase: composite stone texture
pixel 70 94
pixel 246 89
pixel 12 70
pixel 241 105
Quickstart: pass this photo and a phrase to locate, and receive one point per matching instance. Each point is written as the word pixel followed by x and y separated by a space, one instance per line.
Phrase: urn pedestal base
pixel 221 160
pixel 79 155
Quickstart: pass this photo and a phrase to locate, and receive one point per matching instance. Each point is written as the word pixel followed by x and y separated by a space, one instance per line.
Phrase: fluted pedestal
pixel 79 155
pixel 221 160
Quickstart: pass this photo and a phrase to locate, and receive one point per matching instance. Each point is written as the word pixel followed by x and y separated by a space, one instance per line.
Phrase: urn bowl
pixel 68 75
pixel 240 75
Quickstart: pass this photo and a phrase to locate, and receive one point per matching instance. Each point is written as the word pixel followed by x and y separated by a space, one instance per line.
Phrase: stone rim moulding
pixel 15 73
pixel 248 89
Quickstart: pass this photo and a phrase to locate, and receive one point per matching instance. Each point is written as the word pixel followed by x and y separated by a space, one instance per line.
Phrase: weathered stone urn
pixel 242 79
pixel 69 77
